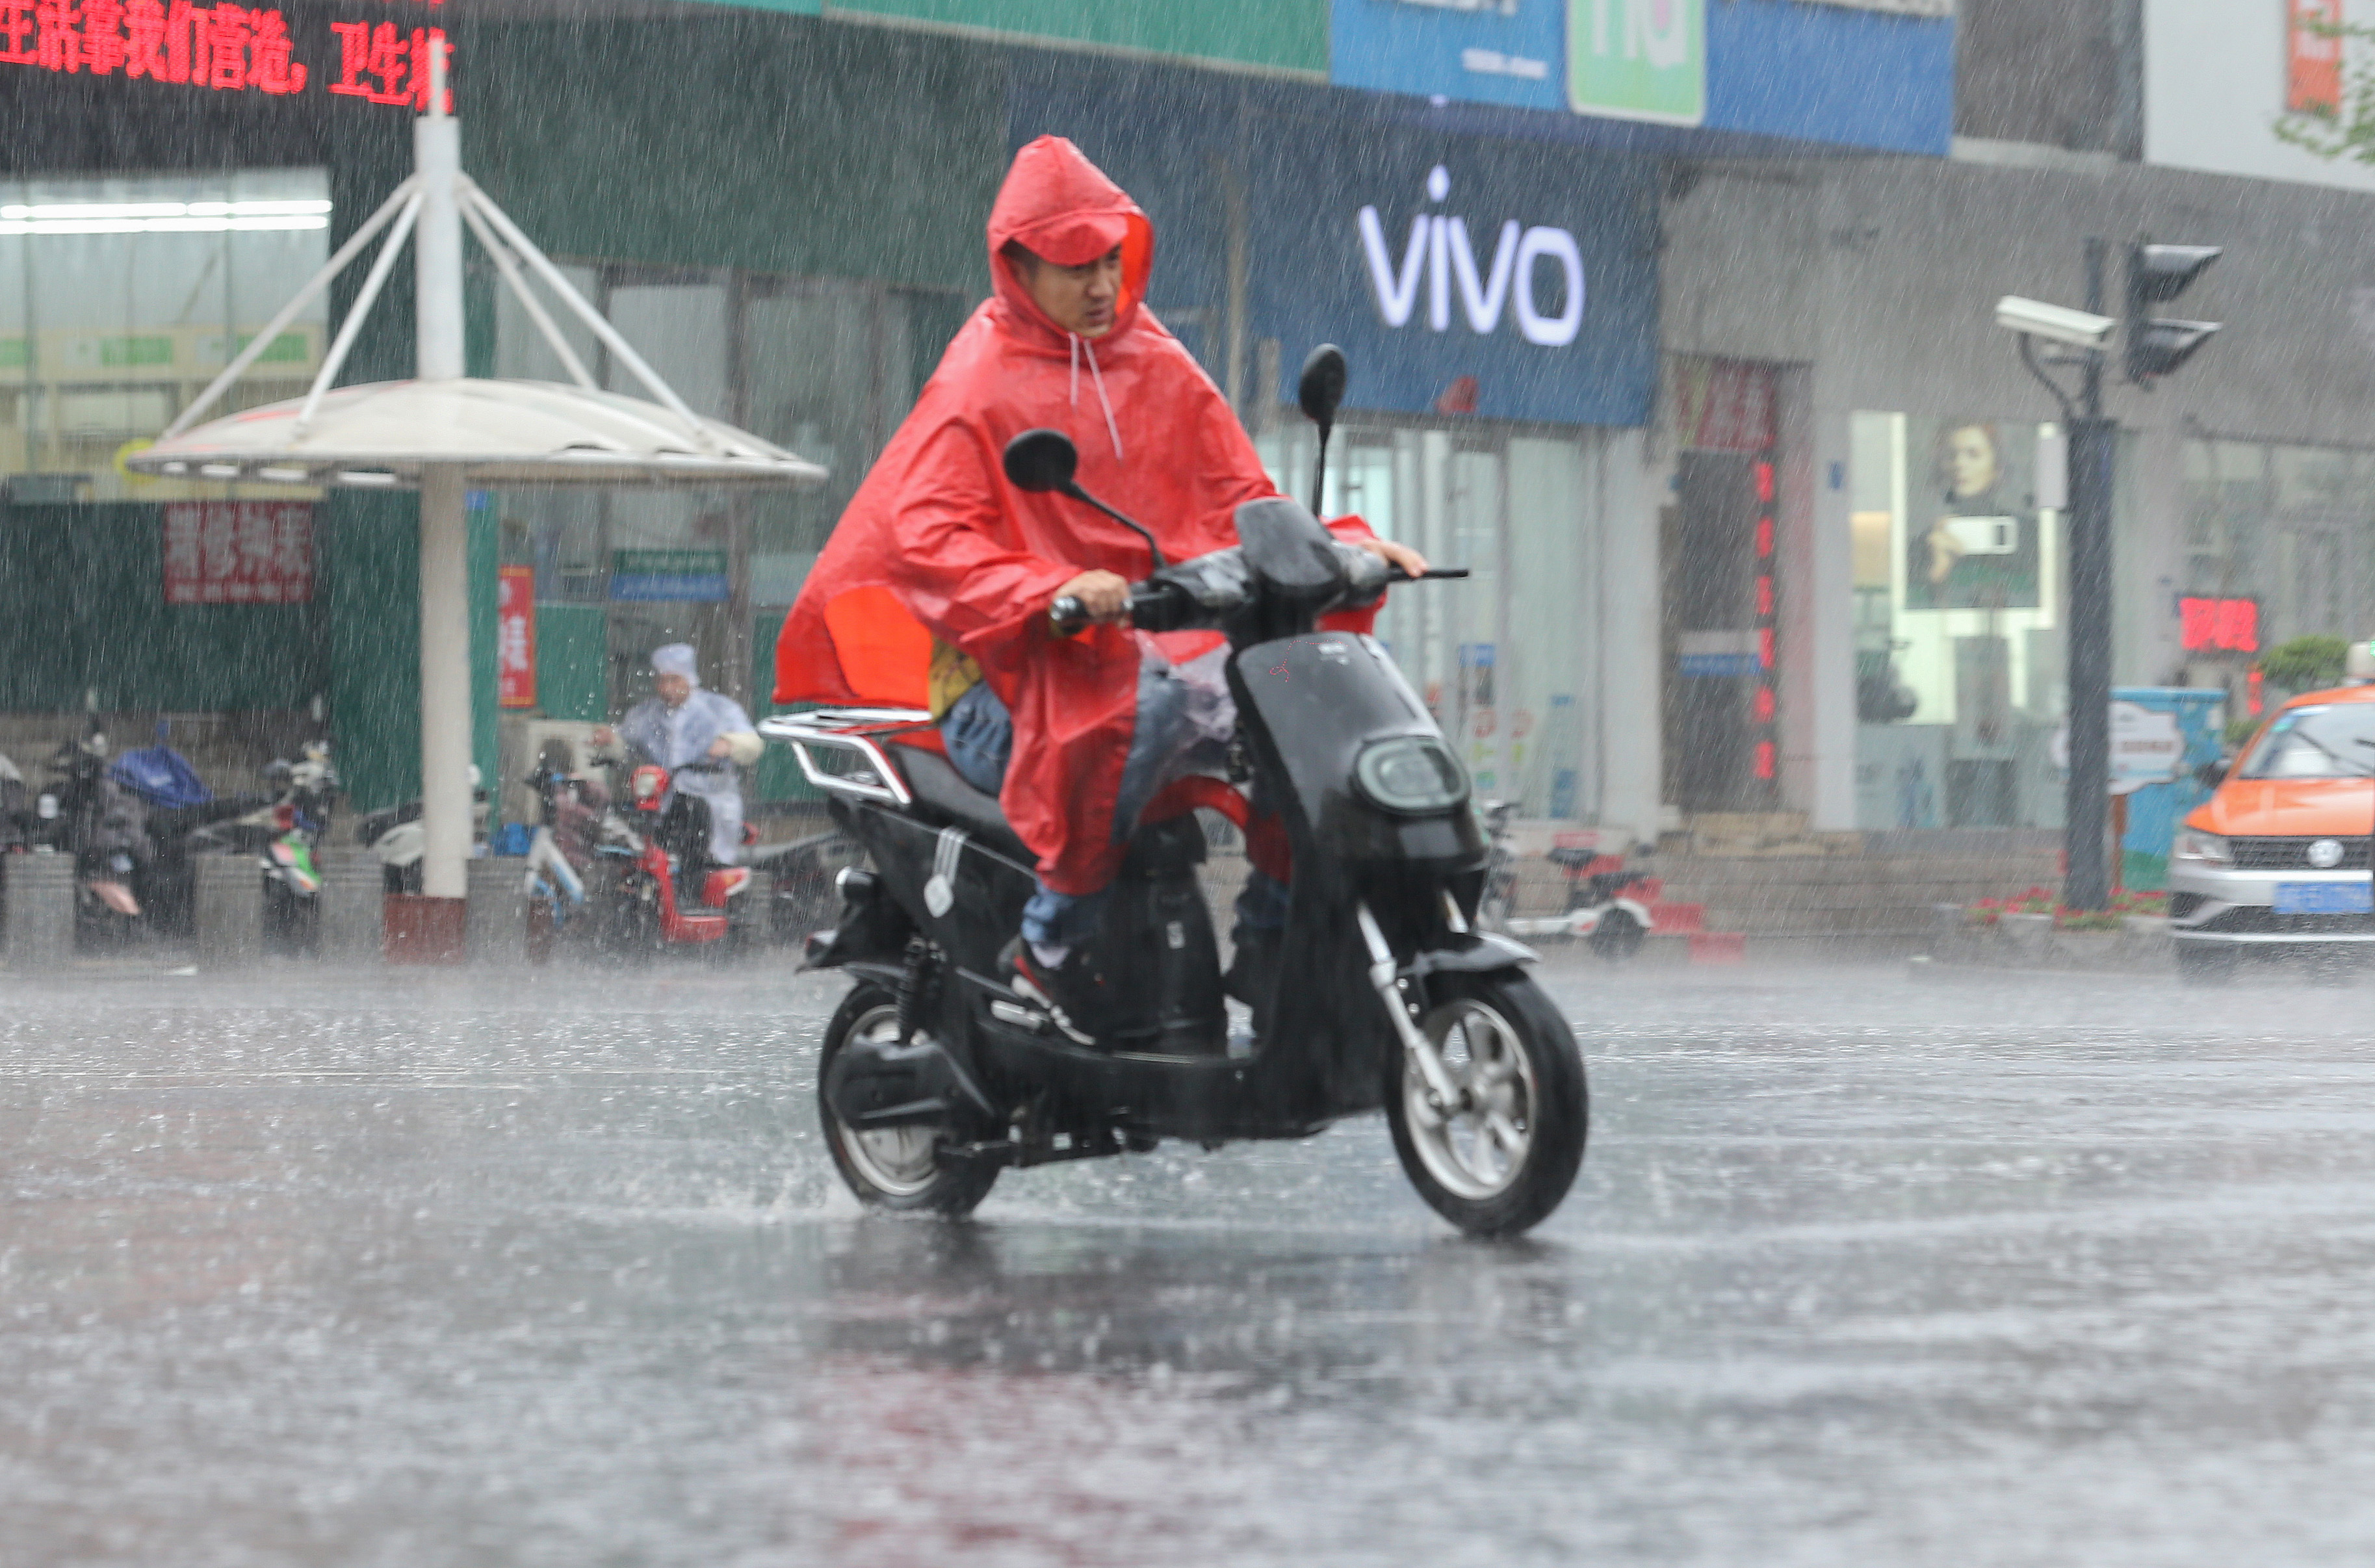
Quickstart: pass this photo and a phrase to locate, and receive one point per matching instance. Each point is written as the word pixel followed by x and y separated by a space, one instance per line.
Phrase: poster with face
pixel 1970 526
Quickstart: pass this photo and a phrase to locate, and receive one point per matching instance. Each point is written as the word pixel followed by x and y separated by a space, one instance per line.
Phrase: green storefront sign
pixel 1280 35
pixel 1637 59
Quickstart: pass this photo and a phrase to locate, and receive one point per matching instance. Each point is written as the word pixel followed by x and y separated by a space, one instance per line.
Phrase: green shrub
pixel 2305 664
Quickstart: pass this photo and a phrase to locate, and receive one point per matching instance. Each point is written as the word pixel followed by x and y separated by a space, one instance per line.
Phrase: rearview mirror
pixel 1039 461
pixel 1321 386
pixel 2210 776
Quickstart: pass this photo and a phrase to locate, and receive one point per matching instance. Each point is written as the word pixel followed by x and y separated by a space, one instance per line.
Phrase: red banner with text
pixel 239 552
pixel 516 637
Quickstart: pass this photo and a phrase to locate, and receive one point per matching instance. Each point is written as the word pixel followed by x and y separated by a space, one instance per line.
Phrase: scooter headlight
pixel 648 782
pixel 1411 773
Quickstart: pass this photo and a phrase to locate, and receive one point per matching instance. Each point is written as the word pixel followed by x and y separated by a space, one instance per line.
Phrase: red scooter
pixel 668 837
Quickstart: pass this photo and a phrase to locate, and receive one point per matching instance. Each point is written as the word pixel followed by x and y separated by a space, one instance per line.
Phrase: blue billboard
pixel 1505 278
pixel 1462 275
pixel 1797 71
pixel 1507 52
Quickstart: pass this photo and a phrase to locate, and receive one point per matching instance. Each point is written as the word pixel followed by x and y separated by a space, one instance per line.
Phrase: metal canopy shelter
pixel 446 432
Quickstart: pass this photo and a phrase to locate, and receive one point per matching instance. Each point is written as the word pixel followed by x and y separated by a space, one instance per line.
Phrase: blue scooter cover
pixel 161 776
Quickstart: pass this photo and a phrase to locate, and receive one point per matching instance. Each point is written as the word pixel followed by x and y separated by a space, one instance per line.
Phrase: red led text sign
pixel 227 48
pixel 2218 625
pixel 239 552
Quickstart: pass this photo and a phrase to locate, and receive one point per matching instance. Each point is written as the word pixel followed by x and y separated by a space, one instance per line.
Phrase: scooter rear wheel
pixel 1500 1158
pixel 897 1168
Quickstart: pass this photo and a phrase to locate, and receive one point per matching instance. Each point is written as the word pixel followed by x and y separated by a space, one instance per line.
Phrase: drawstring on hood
pixel 1097 377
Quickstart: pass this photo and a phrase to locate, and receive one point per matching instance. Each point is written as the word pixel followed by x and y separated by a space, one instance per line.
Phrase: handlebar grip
pixel 1068 616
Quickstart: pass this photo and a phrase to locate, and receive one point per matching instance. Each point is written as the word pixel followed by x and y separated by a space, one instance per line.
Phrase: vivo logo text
pixel 1441 254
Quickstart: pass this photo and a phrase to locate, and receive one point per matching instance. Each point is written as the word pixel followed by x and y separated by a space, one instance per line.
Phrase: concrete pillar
pixel 1631 724
pixel 353 903
pixel 39 893
pixel 230 910
pixel 497 930
pixel 1818 702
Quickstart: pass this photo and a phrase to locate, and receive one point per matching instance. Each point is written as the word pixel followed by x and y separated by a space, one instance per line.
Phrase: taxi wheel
pixel 2201 965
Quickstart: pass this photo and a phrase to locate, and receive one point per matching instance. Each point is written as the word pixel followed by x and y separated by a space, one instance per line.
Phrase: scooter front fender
pixel 1319 702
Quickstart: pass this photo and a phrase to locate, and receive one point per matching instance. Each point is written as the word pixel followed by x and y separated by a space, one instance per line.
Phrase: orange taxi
pixel 2276 861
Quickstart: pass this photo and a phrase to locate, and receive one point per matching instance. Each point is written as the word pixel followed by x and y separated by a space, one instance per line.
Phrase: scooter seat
pixel 940 787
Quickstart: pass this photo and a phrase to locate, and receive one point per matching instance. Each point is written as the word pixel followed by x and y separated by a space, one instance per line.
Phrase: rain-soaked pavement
pixel 321 1269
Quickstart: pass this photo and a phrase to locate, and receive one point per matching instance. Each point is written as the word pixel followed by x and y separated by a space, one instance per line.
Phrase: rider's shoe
pixel 1073 993
pixel 1253 972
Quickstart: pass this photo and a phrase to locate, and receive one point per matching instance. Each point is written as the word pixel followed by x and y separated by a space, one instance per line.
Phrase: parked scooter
pixel 128 822
pixel 1601 907
pixel 937 1074
pixel 285 836
pixel 395 838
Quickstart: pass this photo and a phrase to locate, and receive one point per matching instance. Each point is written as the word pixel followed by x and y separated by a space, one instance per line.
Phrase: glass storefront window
pixel 825 367
pixel 1958 587
pixel 1503 659
pixel 121 296
pixel 2290 526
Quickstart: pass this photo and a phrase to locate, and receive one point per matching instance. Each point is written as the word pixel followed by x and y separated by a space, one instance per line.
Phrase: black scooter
pixel 937 1074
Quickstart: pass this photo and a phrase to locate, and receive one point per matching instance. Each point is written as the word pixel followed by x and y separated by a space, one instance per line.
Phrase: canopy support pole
pixel 445 727
pixel 445 803
pixel 611 338
pixel 314 284
pixel 509 268
pixel 374 281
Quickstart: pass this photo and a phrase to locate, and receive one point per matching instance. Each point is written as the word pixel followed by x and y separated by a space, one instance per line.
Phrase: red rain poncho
pixel 936 539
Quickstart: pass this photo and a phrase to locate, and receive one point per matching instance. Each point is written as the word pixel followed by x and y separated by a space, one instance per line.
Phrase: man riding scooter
pixel 936 588
pixel 701 737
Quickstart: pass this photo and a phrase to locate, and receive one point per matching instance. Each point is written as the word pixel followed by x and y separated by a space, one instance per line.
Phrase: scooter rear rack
pixel 851 732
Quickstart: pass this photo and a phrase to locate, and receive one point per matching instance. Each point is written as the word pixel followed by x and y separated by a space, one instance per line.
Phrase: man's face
pixel 673 689
pixel 1081 299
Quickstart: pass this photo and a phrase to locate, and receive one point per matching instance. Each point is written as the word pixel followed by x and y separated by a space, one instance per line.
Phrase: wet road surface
pixel 324 1268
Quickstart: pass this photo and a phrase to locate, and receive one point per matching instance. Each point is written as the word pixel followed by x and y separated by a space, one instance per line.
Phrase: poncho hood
pixel 1060 206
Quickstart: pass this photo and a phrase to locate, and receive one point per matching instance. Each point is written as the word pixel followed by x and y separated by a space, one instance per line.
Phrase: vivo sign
pixel 1441 254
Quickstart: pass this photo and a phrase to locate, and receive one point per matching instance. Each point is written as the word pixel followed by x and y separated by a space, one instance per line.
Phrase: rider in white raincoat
pixel 684 724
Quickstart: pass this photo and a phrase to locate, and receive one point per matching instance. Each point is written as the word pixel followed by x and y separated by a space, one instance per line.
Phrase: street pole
pixel 445 806
pixel 2094 441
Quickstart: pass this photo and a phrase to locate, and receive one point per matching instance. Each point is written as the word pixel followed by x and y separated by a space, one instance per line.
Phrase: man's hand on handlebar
pixel 1102 595
pixel 1411 563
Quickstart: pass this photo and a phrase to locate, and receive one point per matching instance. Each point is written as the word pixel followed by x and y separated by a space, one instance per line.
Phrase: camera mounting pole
pixel 2086 878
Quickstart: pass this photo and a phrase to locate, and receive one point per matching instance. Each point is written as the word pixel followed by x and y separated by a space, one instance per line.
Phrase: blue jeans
pixel 979 734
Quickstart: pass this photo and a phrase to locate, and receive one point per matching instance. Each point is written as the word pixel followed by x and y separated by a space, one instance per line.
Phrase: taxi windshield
pixel 2330 740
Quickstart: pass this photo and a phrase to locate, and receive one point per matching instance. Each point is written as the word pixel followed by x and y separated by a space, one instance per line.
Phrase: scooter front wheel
pixel 1499 1157
pixel 900 1167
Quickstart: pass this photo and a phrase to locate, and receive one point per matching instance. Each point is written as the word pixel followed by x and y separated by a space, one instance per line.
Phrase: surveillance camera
pixel 2080 329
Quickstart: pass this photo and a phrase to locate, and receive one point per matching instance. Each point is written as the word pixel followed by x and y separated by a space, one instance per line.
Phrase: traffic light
pixel 2157 345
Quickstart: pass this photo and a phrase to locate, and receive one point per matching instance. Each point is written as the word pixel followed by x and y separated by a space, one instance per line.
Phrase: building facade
pixel 1673 322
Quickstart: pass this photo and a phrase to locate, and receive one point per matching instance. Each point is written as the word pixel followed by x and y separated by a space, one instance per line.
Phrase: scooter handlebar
pixel 1151 606
pixel 1157 606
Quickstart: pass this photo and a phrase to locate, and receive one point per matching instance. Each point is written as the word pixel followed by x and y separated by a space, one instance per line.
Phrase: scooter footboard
pixel 1077 1088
